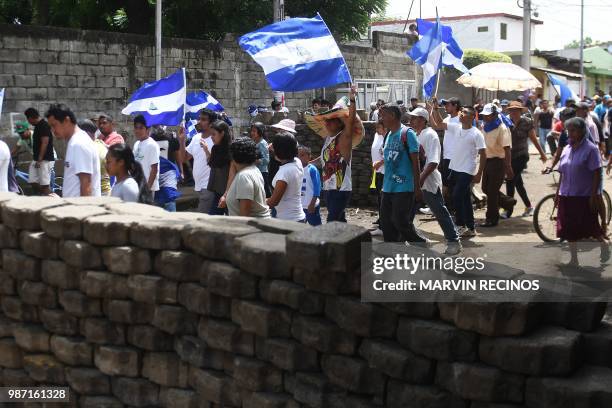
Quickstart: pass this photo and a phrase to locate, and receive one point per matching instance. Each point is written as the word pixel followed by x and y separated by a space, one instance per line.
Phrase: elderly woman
pixel 579 194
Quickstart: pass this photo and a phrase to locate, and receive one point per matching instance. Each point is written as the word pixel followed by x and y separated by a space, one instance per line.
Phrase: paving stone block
pixel 261 319
pixel 397 362
pixel 165 369
pixel 109 230
pixel 149 338
pixel 363 319
pixel 196 353
pixel 437 340
pixel 226 280
pixel 214 238
pixel 11 355
pixel 44 368
pixel 59 322
pixel 276 226
pixel 174 320
pixel 127 311
pixel 227 336
pixel 178 265
pixel 178 398
pixel 262 255
pixel 102 331
pixel 401 394
pixel 352 374
pixel 598 345
pixel 87 381
pixel 295 296
pixel 127 260
pixel 211 385
pixel 152 289
pixel 8 285
pixel 37 294
pixel 20 266
pixel 87 401
pixel 548 351
pixel 58 274
pixel 80 254
pixel 9 237
pixel 117 361
pixel 315 390
pixel 104 285
pixel 588 387
pixel 17 378
pixel 322 335
pixel 287 354
pixel 136 392
pixel 74 351
pixel 580 316
pixel 38 244
pixel 66 222
pixel 255 375
pixel 24 212
pixel 31 337
pixel 6 327
pixel 78 304
pixel 194 297
pixel 157 234
pixel 480 383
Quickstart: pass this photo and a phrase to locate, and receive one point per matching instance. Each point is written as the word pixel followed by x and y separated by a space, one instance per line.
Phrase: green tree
pixel 588 41
pixel 475 56
pixel 205 19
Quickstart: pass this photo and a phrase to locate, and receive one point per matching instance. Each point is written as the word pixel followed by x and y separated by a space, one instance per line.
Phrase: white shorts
pixel 41 175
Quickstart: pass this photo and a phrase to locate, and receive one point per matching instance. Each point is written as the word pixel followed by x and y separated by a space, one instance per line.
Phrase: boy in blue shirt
pixel 400 186
pixel 311 187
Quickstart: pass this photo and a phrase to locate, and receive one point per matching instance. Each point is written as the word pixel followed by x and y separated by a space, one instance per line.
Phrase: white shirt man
pixel 146 152
pixel 5 159
pixel 81 158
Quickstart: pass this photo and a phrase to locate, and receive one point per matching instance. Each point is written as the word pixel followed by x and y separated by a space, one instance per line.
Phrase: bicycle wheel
pixel 608 204
pixel 545 219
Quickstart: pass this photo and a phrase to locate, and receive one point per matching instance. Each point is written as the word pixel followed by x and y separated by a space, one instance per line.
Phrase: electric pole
pixel 582 84
pixel 526 58
pixel 158 38
pixel 279 10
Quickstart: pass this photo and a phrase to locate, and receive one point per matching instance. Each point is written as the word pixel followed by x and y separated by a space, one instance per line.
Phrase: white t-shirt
pixel 146 152
pixel 428 138
pixel 290 205
pixel 81 157
pixel 466 148
pixel 201 169
pixel 377 151
pixel 127 190
pixel 450 135
pixel 5 159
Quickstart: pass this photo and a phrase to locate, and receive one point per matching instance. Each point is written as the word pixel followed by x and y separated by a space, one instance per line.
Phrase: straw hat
pixel 516 105
pixel 316 122
pixel 287 125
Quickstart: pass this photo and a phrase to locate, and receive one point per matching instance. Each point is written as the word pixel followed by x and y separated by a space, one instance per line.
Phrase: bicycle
pixel 23 184
pixel 545 214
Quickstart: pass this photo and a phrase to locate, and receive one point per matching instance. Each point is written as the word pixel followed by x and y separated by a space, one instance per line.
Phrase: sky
pixel 561 18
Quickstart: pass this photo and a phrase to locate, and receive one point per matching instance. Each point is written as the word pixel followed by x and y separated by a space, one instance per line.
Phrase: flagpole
pixel 441 57
pixel 158 38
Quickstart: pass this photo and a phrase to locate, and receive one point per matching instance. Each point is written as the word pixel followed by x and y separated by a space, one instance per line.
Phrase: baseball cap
pixel 505 102
pixel 489 109
pixel 420 112
pixel 21 126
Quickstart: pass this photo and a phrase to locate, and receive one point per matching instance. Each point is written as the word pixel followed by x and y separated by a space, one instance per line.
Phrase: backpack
pixel 404 139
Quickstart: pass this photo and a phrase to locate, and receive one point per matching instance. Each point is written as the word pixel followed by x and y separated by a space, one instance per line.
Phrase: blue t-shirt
pixel 398 167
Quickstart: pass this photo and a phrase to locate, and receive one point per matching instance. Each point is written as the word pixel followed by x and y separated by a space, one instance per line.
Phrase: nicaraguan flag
pixel 161 102
pixel 196 101
pixel 436 48
pixel 564 91
pixel 297 54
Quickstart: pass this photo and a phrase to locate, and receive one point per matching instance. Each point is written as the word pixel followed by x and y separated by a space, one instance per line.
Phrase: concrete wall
pixel 131 306
pixel 96 72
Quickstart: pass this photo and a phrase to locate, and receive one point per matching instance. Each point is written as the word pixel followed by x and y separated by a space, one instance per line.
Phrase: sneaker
pixel 528 212
pixel 425 211
pixel 376 233
pixel 453 248
pixel 469 233
pixel 505 215
pixel 461 230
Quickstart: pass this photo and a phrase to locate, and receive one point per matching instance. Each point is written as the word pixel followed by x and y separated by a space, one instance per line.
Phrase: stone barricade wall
pixel 95 72
pixel 131 306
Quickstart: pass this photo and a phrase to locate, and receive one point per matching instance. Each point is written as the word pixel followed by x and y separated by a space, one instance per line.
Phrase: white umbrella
pixel 499 76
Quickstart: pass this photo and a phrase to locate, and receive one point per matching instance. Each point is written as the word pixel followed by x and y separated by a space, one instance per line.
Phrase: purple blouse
pixel 577 166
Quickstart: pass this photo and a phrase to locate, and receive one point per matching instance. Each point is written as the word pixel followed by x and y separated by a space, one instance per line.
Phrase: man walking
pixel 146 152
pixel 431 180
pixel 82 164
pixel 401 185
pixel 43 158
pixel 451 126
pixel 107 131
pixel 542 118
pixel 498 141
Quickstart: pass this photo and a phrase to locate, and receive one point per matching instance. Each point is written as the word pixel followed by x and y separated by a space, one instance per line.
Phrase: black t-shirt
pixel 545 119
pixel 42 129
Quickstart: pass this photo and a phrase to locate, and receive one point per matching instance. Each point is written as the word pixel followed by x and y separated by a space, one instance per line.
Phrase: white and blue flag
pixel 297 54
pixel 1 99
pixel 436 48
pixel 564 91
pixel 196 101
pixel 161 102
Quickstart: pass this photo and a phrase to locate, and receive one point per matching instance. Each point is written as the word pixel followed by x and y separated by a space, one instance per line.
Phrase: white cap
pixel 421 112
pixel 489 109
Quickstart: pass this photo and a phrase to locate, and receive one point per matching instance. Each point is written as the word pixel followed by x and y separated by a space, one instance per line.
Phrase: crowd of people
pixel 484 144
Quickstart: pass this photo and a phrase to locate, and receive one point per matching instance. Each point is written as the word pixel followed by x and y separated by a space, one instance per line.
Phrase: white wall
pixel 467 35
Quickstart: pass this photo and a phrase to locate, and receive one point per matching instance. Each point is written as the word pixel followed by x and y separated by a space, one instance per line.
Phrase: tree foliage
pixel 204 19
pixel 588 42
pixel 475 56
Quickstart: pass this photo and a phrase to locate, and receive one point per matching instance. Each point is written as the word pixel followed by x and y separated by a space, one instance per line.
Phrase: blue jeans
pixel 313 219
pixel 542 137
pixel 215 210
pixel 435 202
pixel 336 204
pixel 170 207
pixel 462 197
pixel 397 217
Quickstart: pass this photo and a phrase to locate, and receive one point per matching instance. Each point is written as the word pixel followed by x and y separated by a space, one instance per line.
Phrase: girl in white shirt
pixel 377 160
pixel 287 198
pixel 131 184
